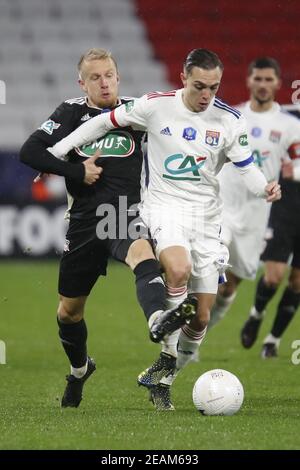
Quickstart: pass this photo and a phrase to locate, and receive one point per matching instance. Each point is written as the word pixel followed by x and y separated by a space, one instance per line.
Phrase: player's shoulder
pixel 226 111
pixel 71 106
pixel 79 101
pixel 160 96
pixel 289 114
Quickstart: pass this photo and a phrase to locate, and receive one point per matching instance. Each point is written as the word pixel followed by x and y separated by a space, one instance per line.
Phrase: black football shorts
pixel 85 255
pixel 283 236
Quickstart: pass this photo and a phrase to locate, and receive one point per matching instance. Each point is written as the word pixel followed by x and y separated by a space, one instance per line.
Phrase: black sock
pixel 73 337
pixel 263 295
pixel 286 310
pixel 150 287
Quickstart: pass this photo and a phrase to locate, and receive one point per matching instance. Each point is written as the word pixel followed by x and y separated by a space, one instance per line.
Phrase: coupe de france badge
pixel 212 138
pixel 189 133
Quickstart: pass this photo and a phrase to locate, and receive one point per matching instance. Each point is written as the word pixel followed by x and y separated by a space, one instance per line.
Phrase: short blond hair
pixel 96 53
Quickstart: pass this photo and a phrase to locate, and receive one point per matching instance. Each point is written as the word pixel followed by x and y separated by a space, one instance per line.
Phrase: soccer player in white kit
pixel 191 133
pixel 274 136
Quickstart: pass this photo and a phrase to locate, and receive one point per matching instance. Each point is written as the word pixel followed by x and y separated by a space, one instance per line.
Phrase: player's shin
pixel 73 338
pixel 264 294
pixel 174 297
pixel 287 308
pixel 220 308
pixel 188 344
pixel 150 288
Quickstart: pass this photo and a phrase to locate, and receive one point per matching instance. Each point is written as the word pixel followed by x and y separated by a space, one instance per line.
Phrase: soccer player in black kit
pixel 86 253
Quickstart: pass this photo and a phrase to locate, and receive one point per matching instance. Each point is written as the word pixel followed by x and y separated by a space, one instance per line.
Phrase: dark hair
pixel 265 63
pixel 202 58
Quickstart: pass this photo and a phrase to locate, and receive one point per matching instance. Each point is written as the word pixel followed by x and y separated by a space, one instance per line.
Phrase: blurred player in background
pixel 85 254
pixel 190 135
pixel 282 250
pixel 274 137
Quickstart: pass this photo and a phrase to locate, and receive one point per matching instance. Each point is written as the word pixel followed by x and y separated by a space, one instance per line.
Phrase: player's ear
pixel 279 84
pixel 248 79
pixel 82 84
pixel 183 79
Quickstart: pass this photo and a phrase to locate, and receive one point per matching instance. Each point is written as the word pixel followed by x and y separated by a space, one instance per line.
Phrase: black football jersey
pixel 121 158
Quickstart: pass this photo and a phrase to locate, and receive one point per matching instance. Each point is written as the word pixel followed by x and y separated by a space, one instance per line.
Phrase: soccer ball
pixel 218 392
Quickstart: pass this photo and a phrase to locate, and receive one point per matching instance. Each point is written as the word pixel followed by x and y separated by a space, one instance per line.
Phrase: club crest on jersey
pixel 212 138
pixel 189 133
pixel 49 126
pixel 113 144
pixel 275 136
pixel 183 167
pixel 256 132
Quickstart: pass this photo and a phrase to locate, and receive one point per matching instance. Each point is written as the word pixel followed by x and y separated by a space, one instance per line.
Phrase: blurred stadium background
pixel 41 41
pixel 40 44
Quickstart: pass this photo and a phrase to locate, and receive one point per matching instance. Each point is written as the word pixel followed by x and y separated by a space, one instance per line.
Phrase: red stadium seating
pixel 238 31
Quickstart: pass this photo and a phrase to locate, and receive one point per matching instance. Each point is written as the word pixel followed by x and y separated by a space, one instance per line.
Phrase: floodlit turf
pixel 115 413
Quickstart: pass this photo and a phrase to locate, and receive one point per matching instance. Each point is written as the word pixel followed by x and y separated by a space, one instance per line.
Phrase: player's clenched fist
pixel 273 191
pixel 92 171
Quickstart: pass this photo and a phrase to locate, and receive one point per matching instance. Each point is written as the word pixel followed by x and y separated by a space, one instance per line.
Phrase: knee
pixel 139 251
pixel 273 280
pixel 70 312
pixel 294 281
pixel 227 289
pixel 201 320
pixel 178 275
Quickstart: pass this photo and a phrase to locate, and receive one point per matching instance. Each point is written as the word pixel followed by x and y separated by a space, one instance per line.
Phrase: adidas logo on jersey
pixel 86 117
pixel 166 131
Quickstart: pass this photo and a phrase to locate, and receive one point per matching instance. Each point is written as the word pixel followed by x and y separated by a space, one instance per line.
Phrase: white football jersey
pixel 270 133
pixel 186 150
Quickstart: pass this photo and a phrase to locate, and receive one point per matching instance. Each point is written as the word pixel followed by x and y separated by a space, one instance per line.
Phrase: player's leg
pixel 190 338
pixel 276 254
pixel 150 286
pixel 286 311
pixel 244 249
pixel 82 263
pixel 176 263
pixel 225 298
pixel 265 290
pixel 203 281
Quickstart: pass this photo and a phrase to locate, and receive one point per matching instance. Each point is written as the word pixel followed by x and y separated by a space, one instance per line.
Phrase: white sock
pixel 272 339
pixel 80 371
pixel 220 308
pixel 188 343
pixel 175 295
pixel 154 317
pixel 255 314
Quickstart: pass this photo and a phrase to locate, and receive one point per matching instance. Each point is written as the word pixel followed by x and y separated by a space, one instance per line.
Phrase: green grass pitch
pixel 115 413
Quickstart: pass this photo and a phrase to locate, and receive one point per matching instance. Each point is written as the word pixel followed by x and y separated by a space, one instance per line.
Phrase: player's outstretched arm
pixel 91 130
pixel 257 184
pixel 98 126
pixel 34 154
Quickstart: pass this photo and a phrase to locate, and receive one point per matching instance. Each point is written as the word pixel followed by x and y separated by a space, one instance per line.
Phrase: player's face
pixel 200 86
pixel 263 84
pixel 100 81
